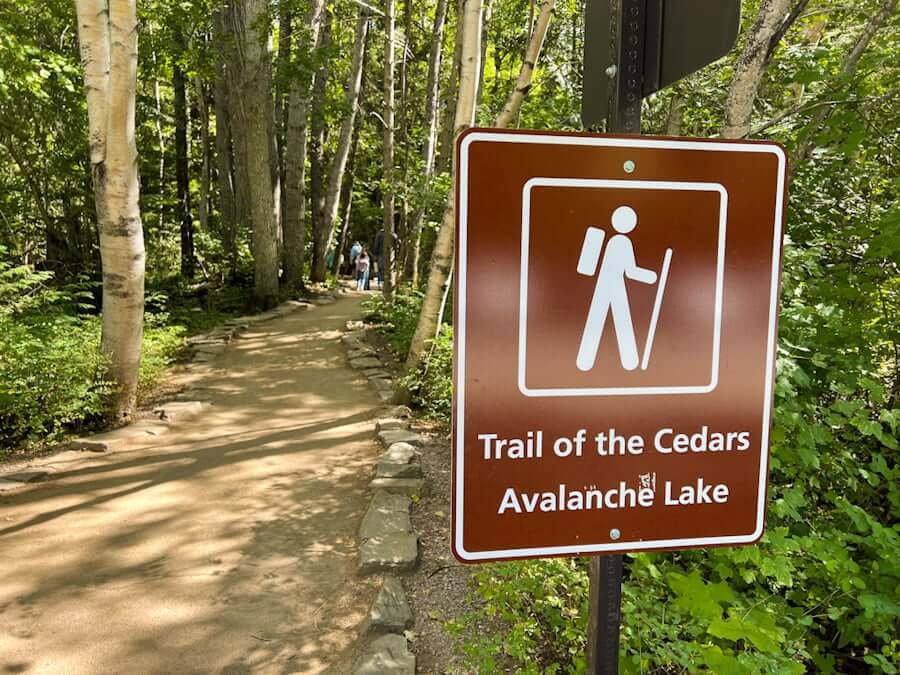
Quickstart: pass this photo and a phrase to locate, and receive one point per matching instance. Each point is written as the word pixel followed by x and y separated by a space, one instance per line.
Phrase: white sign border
pixel 460 328
pixel 686 186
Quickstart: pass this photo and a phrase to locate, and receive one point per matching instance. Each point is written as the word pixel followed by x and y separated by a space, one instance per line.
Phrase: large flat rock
pixel 7 485
pixel 213 348
pixel 388 655
pixel 352 339
pixel 390 470
pixel 387 514
pixel 27 476
pixel 365 362
pixel 390 553
pixel 99 443
pixel 390 423
pixel 400 453
pixel 390 436
pixel 397 462
pixel 390 613
pixel 411 487
pixel 382 383
pixel 399 412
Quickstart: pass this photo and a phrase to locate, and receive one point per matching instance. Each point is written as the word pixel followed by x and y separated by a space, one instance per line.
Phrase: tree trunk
pixel 339 162
pixel 107 38
pixel 486 15
pixel 750 66
pixel 386 261
pixel 252 104
pixel 402 218
pixel 160 137
pixel 428 151
pixel 523 84
pixel 347 201
pixel 875 22
pixel 675 118
pixel 317 164
pixel 285 41
pixel 224 159
pixel 448 123
pixel 442 255
pixel 203 199
pixel 294 221
pixel 182 179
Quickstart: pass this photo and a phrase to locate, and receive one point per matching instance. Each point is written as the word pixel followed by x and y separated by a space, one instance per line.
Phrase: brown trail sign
pixel 616 323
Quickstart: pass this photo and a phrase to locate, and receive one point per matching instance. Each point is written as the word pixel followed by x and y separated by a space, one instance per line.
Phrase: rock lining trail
pixel 227 545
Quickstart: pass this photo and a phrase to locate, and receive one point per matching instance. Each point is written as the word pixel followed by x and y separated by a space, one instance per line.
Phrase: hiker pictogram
pixel 616 264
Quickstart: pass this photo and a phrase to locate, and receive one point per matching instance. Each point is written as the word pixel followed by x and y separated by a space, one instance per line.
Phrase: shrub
pixel 431 386
pixel 543 608
pixel 397 317
pixel 50 376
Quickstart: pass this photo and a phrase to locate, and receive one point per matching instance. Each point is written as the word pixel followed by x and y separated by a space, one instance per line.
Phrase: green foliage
pixel 397 317
pixel 432 385
pixel 51 366
pixel 50 376
pixel 542 607
pixel 50 363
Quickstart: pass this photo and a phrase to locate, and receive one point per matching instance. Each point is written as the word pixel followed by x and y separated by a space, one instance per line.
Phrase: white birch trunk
pixel 442 256
pixel 203 199
pixel 387 251
pixel 108 43
pixel 750 66
pixel 526 73
pixel 432 89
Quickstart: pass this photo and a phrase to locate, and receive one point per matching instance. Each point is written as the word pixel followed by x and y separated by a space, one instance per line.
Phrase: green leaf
pixel 757 627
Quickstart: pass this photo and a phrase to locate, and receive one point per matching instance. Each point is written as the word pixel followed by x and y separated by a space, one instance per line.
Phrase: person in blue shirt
pixel 355 250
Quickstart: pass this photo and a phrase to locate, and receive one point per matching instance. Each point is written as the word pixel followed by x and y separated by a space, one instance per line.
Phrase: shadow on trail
pixel 160 470
pixel 228 545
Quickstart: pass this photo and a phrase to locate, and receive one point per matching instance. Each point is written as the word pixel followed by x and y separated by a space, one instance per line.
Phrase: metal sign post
pixel 605 616
pixel 636 34
pixel 640 62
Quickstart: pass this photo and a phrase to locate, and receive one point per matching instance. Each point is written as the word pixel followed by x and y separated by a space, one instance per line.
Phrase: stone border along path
pixel 388 545
pixel 204 347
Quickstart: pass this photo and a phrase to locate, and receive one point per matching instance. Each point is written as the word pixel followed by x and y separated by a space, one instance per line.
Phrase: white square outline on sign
pixel 565 392
pixel 626 543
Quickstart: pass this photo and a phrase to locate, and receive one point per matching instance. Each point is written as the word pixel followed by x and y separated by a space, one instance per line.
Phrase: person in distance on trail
pixel 362 270
pixel 355 250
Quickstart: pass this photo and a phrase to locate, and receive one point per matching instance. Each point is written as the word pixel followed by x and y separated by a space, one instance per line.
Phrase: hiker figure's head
pixel 624 219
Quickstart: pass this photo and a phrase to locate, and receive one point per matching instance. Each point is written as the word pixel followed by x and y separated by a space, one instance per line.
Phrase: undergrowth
pixel 51 365
pixel 819 593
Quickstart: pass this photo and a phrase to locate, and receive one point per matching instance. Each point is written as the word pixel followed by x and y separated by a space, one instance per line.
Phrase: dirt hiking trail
pixel 227 545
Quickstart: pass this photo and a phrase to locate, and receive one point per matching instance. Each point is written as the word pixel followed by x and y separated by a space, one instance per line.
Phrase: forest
pixel 166 164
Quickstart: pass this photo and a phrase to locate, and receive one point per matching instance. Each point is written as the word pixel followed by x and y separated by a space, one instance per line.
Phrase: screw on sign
pixel 615 336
